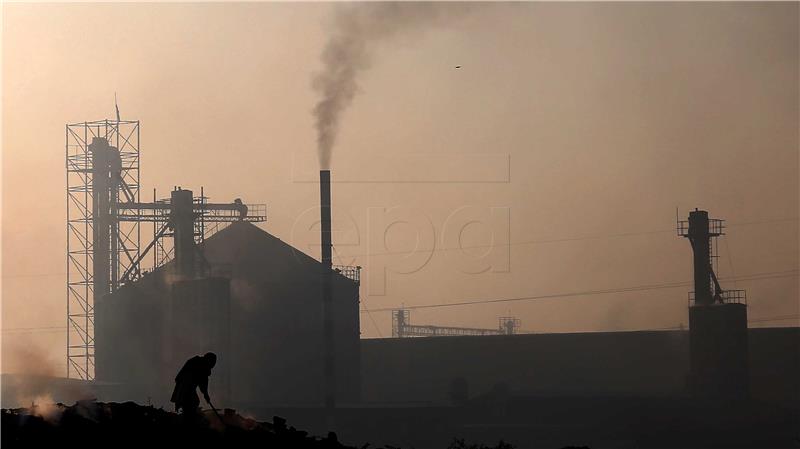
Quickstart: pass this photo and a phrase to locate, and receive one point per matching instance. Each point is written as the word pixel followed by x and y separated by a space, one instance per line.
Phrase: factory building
pixel 645 364
pixel 717 359
pixel 259 309
pixel 286 326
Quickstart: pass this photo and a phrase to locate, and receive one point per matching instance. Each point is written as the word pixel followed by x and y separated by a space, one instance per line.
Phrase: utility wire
pixel 364 309
pixel 750 277
pixel 755 320
pixel 23 330
pixel 755 276
pixel 683 326
pixel 525 242
pixel 775 318
pixel 758 320
pixel 558 240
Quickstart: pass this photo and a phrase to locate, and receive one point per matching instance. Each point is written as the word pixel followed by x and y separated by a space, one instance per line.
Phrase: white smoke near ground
pixel 354 31
pixel 36 383
pixel 46 408
pixel 33 372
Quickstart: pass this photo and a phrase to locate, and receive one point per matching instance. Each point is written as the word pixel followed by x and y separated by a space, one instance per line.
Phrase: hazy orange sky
pixel 568 138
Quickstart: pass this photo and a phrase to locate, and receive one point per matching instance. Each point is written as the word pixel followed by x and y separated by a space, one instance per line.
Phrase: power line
pixel 758 222
pixel 667 285
pixel 559 240
pixel 775 318
pixel 683 326
pixel 503 245
pixel 374 324
pixel 364 309
pixel 524 242
pixel 13 329
pixel 45 329
pixel 755 276
pixel 31 275
pixel 757 320
pixel 10 333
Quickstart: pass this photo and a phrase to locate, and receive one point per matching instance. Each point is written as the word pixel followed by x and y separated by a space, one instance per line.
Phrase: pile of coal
pixel 91 424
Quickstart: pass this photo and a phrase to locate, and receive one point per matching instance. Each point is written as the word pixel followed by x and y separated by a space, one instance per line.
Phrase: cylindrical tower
pixel 182 220
pixel 101 216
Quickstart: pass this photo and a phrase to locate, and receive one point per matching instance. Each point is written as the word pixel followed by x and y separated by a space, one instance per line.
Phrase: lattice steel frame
pixel 208 222
pixel 125 238
pixel 402 327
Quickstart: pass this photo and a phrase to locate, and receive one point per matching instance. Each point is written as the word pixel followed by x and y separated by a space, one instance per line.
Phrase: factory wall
pixel 130 334
pixel 147 329
pixel 774 356
pixel 276 311
pixel 654 363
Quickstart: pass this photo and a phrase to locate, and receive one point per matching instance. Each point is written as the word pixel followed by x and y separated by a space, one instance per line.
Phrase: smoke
pixel 34 371
pixel 35 381
pixel 44 407
pixel 355 28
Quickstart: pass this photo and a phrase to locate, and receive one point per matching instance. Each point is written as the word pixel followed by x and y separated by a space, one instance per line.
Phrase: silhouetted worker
pixel 194 374
pixel 241 207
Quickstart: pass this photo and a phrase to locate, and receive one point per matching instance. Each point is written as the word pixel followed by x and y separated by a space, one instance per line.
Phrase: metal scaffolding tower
pixel 402 327
pixel 90 225
pixel 104 216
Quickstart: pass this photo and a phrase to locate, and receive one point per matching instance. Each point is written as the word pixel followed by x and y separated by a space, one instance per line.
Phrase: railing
pixel 508 325
pixel 350 272
pixel 421 330
pixel 716 227
pixel 724 297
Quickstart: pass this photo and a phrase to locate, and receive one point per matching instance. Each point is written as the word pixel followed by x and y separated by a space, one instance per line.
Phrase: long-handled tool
pixel 216 412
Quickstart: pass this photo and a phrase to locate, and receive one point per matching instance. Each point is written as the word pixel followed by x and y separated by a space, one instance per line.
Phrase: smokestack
pixel 327 295
pixel 325 204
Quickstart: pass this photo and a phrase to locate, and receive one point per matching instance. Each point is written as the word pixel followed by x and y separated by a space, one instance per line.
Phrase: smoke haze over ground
pixel 34 380
pixel 609 115
pixel 34 367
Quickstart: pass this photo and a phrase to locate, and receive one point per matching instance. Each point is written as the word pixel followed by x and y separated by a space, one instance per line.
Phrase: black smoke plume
pixel 354 29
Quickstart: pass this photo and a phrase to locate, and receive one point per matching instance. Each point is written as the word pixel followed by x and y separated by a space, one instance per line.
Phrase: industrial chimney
pixel 325 215
pixel 327 294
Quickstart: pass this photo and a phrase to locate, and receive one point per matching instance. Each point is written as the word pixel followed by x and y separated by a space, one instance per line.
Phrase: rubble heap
pixel 96 424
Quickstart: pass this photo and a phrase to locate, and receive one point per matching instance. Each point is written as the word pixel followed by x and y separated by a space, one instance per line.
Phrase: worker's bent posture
pixel 194 374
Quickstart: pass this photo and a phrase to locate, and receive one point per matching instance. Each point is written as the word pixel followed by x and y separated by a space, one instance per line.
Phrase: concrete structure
pixel 717 319
pixel 597 364
pixel 265 291
pixel 718 350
